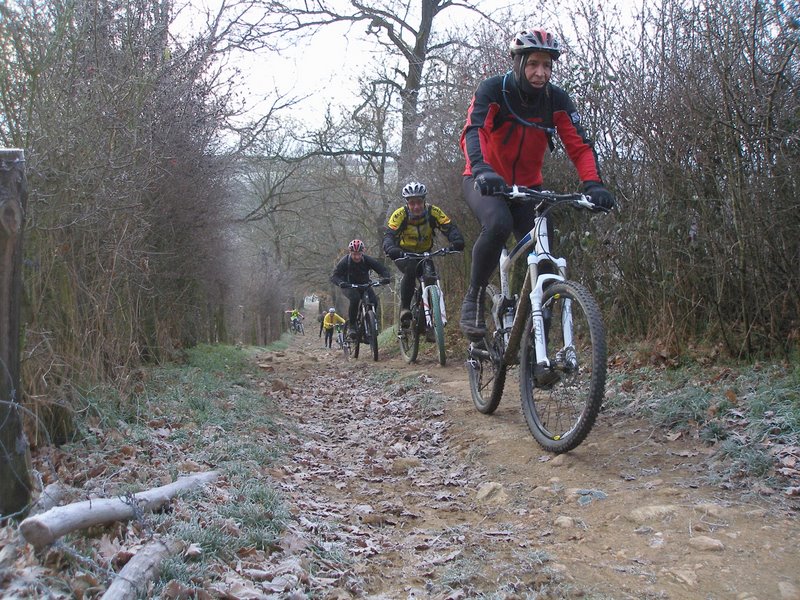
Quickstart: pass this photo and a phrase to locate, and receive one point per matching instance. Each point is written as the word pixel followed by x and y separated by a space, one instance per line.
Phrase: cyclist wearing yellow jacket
pixel 411 228
pixel 328 323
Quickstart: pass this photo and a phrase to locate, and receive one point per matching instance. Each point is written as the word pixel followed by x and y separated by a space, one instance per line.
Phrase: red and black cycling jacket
pixel 492 134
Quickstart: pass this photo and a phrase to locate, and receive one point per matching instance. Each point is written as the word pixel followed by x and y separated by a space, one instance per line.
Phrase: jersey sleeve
pixel 440 217
pixel 396 221
pixel 579 147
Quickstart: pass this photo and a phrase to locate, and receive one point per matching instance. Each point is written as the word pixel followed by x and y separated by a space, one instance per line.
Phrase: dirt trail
pixel 439 501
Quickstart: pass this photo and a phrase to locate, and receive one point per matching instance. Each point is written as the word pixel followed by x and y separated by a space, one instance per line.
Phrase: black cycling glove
pixel 395 253
pixel 489 183
pixel 456 247
pixel 601 197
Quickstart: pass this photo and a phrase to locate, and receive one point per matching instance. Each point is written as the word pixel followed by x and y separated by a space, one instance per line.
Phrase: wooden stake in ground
pixel 15 479
pixel 44 529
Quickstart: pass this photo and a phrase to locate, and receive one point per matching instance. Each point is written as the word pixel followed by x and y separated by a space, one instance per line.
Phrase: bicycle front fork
pixel 541 317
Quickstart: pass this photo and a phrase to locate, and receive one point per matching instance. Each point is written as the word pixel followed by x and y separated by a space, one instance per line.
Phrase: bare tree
pixel 404 31
pixel 693 109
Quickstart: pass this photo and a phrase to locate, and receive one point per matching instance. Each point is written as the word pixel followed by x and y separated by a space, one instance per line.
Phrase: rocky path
pixel 423 497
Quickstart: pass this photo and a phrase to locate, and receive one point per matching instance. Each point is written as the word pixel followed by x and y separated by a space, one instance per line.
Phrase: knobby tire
pixel 438 326
pixel 561 415
pixel 359 332
pixel 487 369
pixel 409 337
pixel 371 324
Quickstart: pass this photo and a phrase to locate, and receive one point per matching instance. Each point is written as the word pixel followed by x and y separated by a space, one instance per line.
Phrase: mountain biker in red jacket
pixel 354 267
pixel 510 123
pixel 411 228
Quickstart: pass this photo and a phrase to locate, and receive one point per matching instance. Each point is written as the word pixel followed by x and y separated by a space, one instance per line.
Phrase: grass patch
pixel 388 338
pixel 429 403
pixel 750 412
pixel 219 358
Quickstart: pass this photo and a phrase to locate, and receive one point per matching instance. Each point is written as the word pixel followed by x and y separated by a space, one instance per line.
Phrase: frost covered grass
pixel 750 413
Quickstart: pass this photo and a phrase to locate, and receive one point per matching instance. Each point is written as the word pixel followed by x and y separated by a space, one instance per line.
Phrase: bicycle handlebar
pixel 361 286
pixel 439 252
pixel 576 199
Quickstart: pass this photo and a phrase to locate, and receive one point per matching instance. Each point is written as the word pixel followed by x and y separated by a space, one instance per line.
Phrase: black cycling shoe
pixel 405 318
pixel 472 321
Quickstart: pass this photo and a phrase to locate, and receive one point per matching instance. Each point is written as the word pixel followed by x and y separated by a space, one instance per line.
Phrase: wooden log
pixel 41 530
pixel 131 582
pixel 52 495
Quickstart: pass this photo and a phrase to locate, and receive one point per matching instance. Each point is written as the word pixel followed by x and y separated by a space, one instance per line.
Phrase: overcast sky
pixel 326 67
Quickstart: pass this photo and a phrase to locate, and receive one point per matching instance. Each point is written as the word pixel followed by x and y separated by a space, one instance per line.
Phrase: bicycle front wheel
pixel 438 326
pixel 409 336
pixel 561 404
pixel 371 326
pixel 356 343
pixel 486 366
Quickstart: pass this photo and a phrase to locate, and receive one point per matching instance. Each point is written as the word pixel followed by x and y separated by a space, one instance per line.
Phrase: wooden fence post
pixel 15 479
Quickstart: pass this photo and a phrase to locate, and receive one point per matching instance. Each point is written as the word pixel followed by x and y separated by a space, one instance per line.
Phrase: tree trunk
pixel 15 481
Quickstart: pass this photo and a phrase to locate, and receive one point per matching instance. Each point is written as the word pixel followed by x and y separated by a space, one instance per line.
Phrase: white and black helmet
pixel 415 190
pixel 535 40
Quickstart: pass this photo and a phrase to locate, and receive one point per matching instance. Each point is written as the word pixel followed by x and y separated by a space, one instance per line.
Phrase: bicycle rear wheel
pixel 438 326
pixel 485 365
pixel 409 336
pixel 561 413
pixel 371 330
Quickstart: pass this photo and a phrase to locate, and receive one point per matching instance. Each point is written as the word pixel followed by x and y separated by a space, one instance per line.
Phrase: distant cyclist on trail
pixel 510 123
pixel 411 228
pixel 355 267
pixel 295 316
pixel 328 323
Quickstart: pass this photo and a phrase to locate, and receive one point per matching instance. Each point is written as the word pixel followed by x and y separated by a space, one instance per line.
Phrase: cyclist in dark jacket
pixel 510 124
pixel 354 267
pixel 411 228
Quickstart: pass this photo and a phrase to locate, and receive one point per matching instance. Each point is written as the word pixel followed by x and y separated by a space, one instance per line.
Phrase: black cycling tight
pixel 498 220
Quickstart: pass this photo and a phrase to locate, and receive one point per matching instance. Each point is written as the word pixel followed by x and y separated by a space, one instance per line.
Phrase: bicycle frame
pixel 536 246
pixel 427 279
pixel 562 388
pixel 428 311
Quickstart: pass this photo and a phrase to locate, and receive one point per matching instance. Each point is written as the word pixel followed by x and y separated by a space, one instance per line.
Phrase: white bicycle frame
pixel 339 335
pixel 537 241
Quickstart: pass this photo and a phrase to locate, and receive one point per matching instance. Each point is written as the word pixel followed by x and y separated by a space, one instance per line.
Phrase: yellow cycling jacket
pixel 416 235
pixel 331 319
